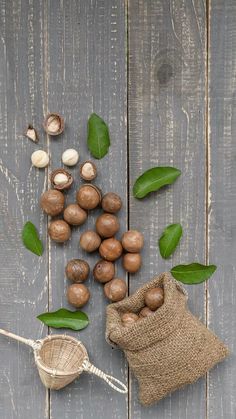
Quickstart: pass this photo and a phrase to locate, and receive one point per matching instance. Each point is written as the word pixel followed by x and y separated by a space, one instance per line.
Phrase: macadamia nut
pixel 70 157
pixel 115 290
pixel 60 179
pixel 129 318
pixel 132 241
pixel 88 170
pixel 52 202
pixel 154 298
pixel 40 158
pixel 78 295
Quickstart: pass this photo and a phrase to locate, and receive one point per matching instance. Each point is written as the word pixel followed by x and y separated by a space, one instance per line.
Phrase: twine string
pixel 90 368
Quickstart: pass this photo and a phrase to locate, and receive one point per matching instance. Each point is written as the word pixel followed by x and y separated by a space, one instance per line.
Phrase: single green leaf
pixel 153 179
pixel 98 140
pixel 75 320
pixel 31 239
pixel 195 273
pixel 169 240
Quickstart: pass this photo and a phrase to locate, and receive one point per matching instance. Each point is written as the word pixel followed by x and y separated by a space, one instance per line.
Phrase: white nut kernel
pixel 40 158
pixel 70 157
pixel 53 124
pixel 88 170
pixel 60 179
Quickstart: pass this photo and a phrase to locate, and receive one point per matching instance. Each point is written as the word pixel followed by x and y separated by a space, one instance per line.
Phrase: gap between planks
pixel 45 111
pixel 207 175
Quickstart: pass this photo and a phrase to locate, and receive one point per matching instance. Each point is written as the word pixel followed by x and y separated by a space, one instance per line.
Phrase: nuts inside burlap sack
pixel 167 350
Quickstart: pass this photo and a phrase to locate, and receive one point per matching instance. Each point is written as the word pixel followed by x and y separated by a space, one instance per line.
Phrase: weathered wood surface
pixel 221 205
pixel 167 127
pixel 85 74
pixel 72 57
pixel 23 276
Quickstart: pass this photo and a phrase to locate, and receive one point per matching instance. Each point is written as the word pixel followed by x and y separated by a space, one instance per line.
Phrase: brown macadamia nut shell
pixel 65 185
pixel 154 298
pixel 75 215
pixel 88 170
pixel 52 202
pixel 88 196
pixel 146 312
pixel 132 241
pixel 128 319
pixel 111 202
pixel 115 290
pixel 104 271
pixel 78 295
pixel 59 231
pixel 90 241
pixel 110 249
pixel 59 124
pixel 107 225
pixel 132 262
pixel 77 270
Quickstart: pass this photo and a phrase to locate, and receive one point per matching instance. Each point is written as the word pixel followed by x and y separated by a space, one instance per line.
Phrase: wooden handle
pixel 29 342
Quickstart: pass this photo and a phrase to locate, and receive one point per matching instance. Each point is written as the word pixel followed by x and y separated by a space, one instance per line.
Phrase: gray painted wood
pixel 70 57
pixel 23 276
pixel 167 127
pixel 221 208
pixel 86 73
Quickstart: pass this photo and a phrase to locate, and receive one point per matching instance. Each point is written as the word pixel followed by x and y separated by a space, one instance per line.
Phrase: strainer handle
pixel 108 378
pixel 29 342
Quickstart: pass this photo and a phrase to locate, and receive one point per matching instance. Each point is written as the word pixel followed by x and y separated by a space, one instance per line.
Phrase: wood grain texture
pixel 85 74
pixel 167 57
pixel 23 276
pixel 70 57
pixel 222 220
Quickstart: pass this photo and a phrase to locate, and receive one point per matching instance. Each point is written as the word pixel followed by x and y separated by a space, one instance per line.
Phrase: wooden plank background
pixel 162 74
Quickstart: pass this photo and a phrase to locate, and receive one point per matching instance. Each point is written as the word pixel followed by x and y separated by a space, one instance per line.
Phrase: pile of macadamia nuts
pixel 153 299
pixel 101 239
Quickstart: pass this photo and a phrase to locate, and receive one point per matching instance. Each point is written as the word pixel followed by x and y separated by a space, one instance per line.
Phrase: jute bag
pixel 167 350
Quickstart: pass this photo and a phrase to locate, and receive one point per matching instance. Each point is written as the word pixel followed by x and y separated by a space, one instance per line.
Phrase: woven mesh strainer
pixel 61 359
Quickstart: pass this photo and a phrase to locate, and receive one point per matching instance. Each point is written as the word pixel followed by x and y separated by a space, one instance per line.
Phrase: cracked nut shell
pixel 154 298
pixel 75 215
pixel 129 318
pixel 52 202
pixel 88 170
pixel 90 241
pixel 115 290
pixel 77 270
pixel 107 225
pixel 132 262
pixel 61 179
pixel 132 241
pixel 110 249
pixel 78 295
pixel 59 231
pixel 54 124
pixel 32 134
pixel 104 271
pixel 111 202
pixel 88 196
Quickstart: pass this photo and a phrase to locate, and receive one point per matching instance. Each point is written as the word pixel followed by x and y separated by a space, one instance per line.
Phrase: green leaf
pixel 169 240
pixel 195 273
pixel 153 179
pixel 75 320
pixel 31 239
pixel 98 140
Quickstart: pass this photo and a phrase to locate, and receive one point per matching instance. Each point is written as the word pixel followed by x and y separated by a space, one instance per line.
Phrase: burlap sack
pixel 168 349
